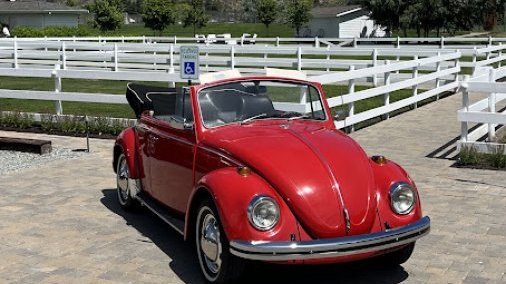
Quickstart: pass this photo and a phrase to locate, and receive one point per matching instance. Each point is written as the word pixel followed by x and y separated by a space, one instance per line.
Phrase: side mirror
pixel 180 123
pixel 340 114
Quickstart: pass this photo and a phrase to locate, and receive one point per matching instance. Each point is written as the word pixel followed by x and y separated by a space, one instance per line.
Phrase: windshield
pixel 257 99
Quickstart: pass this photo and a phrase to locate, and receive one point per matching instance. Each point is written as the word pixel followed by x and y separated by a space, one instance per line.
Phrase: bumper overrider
pixel 325 248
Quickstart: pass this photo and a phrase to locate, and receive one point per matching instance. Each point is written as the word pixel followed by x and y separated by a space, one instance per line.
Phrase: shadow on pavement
pixel 185 265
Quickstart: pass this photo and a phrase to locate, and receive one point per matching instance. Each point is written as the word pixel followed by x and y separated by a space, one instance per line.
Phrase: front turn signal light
pixel 379 159
pixel 244 171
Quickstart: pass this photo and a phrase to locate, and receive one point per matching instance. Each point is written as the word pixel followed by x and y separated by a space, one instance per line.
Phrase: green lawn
pixel 118 87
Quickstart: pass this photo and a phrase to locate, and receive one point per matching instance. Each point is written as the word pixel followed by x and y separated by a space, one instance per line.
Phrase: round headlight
pixel 402 198
pixel 263 213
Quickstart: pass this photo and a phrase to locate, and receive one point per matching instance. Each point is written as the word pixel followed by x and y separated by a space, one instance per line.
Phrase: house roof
pixel 334 11
pixel 34 6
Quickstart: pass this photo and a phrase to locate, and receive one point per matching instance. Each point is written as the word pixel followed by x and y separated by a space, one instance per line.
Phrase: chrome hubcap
pixel 122 179
pixel 210 243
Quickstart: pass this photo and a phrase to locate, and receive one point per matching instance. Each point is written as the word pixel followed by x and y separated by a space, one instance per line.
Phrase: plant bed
pixel 104 128
pixel 469 157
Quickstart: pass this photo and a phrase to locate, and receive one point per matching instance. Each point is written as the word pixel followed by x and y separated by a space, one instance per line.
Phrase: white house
pixel 40 14
pixel 341 21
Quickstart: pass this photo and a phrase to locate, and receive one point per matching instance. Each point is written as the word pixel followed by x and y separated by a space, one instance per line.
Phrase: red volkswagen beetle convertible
pixel 253 168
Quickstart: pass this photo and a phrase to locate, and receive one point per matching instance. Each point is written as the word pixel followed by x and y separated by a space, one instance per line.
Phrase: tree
pixel 194 15
pixel 298 13
pixel 266 11
pixel 158 14
pixel 387 13
pixel 107 14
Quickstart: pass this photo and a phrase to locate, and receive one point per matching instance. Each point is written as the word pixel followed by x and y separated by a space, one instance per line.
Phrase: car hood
pixel 319 172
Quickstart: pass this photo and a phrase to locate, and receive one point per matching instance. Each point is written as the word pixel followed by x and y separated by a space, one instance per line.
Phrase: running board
pixel 161 212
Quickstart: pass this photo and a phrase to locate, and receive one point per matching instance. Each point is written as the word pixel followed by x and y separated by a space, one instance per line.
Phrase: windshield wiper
pixel 299 117
pixel 253 117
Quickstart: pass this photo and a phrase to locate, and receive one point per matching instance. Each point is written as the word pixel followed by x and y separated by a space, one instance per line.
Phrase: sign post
pixel 189 62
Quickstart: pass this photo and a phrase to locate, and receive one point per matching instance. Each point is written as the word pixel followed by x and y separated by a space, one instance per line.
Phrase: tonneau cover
pixel 137 99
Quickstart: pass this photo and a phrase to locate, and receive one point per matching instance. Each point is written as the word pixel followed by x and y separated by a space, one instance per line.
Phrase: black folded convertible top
pixel 137 99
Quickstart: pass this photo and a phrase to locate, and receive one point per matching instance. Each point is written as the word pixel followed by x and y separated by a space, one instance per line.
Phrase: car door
pixel 172 159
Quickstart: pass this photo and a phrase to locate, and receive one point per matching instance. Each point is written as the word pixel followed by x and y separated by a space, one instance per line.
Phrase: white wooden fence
pixel 433 69
pixel 484 112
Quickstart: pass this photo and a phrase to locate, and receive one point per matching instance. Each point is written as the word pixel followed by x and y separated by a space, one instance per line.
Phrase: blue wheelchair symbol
pixel 189 68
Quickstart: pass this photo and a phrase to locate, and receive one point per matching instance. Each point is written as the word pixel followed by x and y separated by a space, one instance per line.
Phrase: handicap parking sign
pixel 189 68
pixel 189 58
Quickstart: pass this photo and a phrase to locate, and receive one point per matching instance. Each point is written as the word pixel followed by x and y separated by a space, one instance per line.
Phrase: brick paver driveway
pixel 60 223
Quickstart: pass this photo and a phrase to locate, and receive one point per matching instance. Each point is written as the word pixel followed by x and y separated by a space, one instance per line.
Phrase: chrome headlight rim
pixel 395 189
pixel 254 203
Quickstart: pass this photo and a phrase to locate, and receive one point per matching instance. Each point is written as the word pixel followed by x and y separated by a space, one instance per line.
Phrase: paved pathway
pixel 61 223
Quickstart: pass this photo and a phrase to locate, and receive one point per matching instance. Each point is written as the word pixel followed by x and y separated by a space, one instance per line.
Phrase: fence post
pixel 316 42
pixel 57 89
pixel 154 61
pixel 491 106
pixel 265 56
pixel 232 57
pixel 438 68
pixel 15 54
pixel 386 97
pixel 63 57
pixel 175 40
pixel 374 64
pixel 489 45
pixel 171 64
pixel 475 58
pixel 299 58
pixel 442 43
pixel 457 64
pixel 45 43
pixel 464 130
pixel 115 57
pixel 499 55
pixel 171 59
pixel 398 46
pixel 328 57
pixel 122 39
pixel 74 41
pixel 351 91
pixel 415 75
pixel 143 39
pixel 277 41
pixel 355 42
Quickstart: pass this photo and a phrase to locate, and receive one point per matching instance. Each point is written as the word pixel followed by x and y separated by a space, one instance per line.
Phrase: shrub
pixel 53 31
pixel 498 159
pixel 468 156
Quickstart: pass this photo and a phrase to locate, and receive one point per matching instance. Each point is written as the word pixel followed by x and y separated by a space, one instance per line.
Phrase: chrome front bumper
pixel 325 248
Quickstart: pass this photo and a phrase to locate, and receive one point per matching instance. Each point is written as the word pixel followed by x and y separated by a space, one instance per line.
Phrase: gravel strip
pixel 14 161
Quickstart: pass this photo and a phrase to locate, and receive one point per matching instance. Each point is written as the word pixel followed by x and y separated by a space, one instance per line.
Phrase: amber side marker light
pixel 379 159
pixel 244 171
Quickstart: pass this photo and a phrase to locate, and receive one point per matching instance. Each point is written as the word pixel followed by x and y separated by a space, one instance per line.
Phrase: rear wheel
pixel 216 262
pixel 397 257
pixel 123 187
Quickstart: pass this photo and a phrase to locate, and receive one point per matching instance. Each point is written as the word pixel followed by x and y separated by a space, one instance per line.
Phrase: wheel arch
pixel 232 193
pixel 127 143
pixel 199 195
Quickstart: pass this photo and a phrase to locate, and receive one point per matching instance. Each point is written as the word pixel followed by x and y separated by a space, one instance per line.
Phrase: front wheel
pixel 125 198
pixel 216 262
